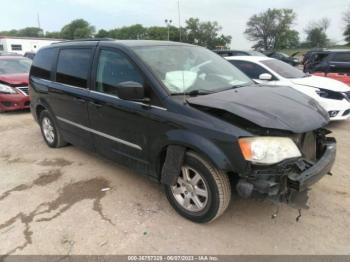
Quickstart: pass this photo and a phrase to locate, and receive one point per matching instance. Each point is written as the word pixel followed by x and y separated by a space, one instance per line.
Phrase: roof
pixel 249 58
pixel 130 43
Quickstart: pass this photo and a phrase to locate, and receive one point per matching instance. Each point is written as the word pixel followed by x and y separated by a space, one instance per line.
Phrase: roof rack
pixel 85 40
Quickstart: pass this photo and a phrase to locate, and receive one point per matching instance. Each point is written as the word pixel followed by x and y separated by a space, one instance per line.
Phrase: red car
pixel 14 71
pixel 342 77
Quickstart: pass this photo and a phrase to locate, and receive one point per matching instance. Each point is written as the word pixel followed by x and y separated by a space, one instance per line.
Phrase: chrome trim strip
pixel 135 102
pixel 23 90
pixel 118 140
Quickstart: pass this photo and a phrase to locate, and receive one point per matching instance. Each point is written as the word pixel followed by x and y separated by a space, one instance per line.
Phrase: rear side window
pixel 341 57
pixel 250 69
pixel 73 66
pixel 43 62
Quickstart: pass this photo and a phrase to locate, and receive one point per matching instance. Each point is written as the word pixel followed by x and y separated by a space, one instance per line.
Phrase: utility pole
pixel 168 23
pixel 178 11
pixel 38 20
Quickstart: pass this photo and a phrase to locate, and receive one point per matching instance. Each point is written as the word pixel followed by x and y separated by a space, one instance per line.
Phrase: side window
pixel 341 57
pixel 73 66
pixel 42 63
pixel 250 69
pixel 16 47
pixel 114 68
pixel 1 47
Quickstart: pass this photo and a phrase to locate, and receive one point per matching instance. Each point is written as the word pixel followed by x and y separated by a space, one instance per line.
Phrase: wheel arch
pixel 190 142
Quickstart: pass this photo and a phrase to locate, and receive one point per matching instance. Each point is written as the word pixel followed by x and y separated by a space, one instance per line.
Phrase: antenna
pixel 178 11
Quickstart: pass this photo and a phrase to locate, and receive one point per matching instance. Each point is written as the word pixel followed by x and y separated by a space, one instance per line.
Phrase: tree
pixel 272 29
pixel 205 34
pixel 346 19
pixel 136 31
pixel 30 32
pixel 102 34
pixel 316 37
pixel 25 32
pixel 316 33
pixel 289 39
pixel 161 33
pixel 78 28
pixel 56 35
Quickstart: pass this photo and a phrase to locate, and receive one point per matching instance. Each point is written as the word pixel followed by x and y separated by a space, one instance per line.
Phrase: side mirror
pixel 265 77
pixel 130 90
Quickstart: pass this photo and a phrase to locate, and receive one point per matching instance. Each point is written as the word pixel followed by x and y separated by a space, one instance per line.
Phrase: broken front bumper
pixel 280 181
pixel 310 176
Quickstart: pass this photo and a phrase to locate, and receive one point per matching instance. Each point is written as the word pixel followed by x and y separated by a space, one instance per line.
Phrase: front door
pixel 120 127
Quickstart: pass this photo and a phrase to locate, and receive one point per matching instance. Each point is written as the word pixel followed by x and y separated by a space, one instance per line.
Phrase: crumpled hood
pixel 269 107
pixel 14 79
pixel 322 82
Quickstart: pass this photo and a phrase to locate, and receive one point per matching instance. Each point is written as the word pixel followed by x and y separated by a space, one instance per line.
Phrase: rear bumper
pixel 281 181
pixel 11 102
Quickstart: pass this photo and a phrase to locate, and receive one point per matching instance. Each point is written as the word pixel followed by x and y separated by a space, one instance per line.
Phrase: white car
pixel 332 95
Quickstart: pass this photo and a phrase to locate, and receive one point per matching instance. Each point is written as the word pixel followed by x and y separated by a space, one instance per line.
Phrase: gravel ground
pixel 68 201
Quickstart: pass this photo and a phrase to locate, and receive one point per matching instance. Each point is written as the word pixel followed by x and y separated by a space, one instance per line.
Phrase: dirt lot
pixel 52 202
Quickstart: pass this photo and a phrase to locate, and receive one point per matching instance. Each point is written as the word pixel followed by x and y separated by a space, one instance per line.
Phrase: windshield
pixel 184 69
pixel 15 66
pixel 283 69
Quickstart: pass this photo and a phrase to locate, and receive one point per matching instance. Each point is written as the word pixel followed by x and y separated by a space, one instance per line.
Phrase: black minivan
pixel 183 116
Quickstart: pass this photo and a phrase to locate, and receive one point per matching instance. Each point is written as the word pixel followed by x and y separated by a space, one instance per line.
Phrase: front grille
pixel 24 90
pixel 347 95
pixel 346 112
pixel 6 103
pixel 27 103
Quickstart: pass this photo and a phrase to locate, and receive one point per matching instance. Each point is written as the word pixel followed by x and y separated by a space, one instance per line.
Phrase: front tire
pixel 50 131
pixel 201 193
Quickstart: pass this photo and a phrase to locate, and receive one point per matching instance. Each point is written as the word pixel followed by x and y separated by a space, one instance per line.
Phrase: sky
pixel 232 15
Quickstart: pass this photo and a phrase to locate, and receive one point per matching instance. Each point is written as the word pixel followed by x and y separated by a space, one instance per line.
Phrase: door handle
pixel 97 105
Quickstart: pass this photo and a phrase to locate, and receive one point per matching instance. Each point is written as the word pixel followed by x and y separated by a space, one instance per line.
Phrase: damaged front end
pixel 286 181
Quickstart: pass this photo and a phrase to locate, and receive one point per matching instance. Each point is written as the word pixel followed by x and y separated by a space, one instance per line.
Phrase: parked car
pixel 4 53
pixel 29 55
pixel 179 114
pixel 14 72
pixel 333 96
pixel 292 60
pixel 238 52
pixel 330 63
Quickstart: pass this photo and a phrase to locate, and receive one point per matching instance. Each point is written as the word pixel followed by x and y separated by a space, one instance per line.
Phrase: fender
pixel 191 141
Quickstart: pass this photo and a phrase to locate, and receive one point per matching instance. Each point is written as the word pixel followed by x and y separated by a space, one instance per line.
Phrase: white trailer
pixel 21 45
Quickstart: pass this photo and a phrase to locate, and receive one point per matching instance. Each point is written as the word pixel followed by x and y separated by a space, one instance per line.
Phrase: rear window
pixel 283 69
pixel 73 66
pixel 42 63
pixel 341 57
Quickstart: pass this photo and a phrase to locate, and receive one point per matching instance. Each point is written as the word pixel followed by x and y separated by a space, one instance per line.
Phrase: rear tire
pixel 50 131
pixel 202 192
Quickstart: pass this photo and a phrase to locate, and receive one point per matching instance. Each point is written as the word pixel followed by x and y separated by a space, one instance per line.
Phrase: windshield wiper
pixel 194 93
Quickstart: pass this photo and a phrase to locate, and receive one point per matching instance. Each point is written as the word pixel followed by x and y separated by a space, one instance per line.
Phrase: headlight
pixel 329 94
pixel 268 150
pixel 6 89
